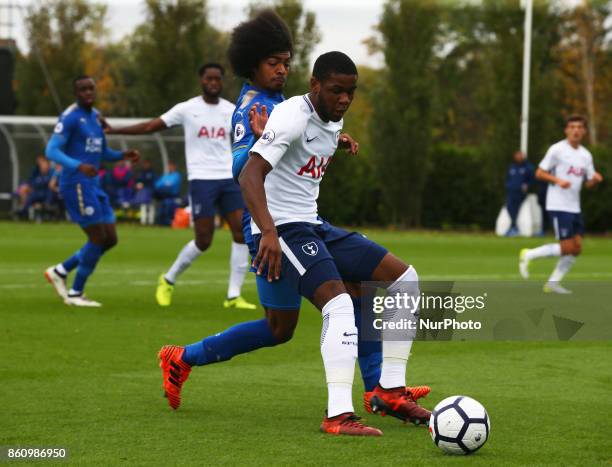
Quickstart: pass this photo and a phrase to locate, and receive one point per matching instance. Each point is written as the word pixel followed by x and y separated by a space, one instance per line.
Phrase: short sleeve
pixel 590 167
pixel 285 125
pixel 549 161
pixel 241 130
pixel 174 116
pixel 65 125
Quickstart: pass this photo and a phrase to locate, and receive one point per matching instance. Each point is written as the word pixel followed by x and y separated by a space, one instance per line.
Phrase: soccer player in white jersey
pixel 280 183
pixel 566 166
pixel 207 123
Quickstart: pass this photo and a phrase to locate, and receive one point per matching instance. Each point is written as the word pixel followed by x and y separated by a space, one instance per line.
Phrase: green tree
pixel 401 121
pixel 59 34
pixel 306 36
pixel 166 51
pixel 351 193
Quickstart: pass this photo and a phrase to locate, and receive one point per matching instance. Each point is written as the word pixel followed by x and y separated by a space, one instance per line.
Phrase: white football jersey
pixel 208 130
pixel 567 163
pixel 299 147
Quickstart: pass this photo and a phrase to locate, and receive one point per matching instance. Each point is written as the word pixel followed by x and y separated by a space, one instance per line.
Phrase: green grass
pixel 88 379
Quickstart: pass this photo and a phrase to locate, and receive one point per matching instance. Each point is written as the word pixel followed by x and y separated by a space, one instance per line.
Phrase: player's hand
pixel 270 254
pixel 258 120
pixel 131 155
pixel 88 169
pixel 347 142
pixel 106 126
pixel 564 184
pixel 597 178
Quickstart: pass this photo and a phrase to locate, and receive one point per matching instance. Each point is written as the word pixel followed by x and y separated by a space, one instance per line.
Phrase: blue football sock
pixel 72 262
pixel 241 338
pixel 369 354
pixel 88 258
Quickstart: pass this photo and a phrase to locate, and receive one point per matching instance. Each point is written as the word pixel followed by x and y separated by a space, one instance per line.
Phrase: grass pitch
pixel 88 379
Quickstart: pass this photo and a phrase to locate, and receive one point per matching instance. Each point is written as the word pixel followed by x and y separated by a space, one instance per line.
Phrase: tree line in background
pixel 437 124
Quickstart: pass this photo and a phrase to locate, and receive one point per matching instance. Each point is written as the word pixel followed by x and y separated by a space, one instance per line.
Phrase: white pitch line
pixel 111 270
pixel 247 282
pixel 250 280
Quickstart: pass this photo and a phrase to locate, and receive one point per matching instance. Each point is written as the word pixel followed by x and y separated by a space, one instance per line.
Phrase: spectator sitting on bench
pixel 167 190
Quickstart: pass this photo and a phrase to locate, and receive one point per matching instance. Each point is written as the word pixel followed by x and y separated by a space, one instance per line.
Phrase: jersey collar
pixel 250 87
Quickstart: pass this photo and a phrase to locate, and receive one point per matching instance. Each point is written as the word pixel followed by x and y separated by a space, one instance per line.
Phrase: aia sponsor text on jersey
pixel 212 132
pixel 315 167
pixel 577 171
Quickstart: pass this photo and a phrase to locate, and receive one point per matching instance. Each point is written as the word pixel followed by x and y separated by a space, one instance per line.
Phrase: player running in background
pixel 260 51
pixel 79 145
pixel 280 183
pixel 566 166
pixel 207 122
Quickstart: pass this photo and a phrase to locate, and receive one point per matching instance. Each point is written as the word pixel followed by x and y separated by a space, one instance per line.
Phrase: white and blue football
pixel 459 425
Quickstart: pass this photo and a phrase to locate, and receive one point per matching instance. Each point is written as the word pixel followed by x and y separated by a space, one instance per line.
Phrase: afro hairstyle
pixel 254 40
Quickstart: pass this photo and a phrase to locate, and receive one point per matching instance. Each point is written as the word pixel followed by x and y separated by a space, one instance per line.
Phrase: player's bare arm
pixel 152 126
pixel 550 178
pixel 594 181
pixel 251 182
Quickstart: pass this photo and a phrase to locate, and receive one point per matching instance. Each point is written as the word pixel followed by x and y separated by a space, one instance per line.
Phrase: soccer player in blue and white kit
pixel 566 166
pixel 79 145
pixel 280 183
pixel 260 51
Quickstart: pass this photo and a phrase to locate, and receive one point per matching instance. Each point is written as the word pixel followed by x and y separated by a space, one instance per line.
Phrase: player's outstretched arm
pixel 251 182
pixel 545 176
pixel 157 124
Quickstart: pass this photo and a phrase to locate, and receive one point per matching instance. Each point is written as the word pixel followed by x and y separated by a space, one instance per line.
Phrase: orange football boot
pixel 398 402
pixel 348 424
pixel 417 392
pixel 174 372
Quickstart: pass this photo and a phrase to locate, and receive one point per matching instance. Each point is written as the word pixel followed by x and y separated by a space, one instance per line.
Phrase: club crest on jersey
pixel 267 137
pixel 89 211
pixel 310 248
pixel 59 127
pixel 239 132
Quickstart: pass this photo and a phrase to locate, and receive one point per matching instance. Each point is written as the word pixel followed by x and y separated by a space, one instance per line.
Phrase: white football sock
pixel 339 352
pixel 564 264
pixel 239 263
pixel 544 251
pixel 61 269
pixel 188 255
pixel 397 343
pixel 395 359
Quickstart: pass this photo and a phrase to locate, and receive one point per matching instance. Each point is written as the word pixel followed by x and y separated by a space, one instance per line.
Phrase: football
pixel 459 425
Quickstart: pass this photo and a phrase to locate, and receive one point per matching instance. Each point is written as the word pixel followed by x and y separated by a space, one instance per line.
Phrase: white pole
pixel 526 75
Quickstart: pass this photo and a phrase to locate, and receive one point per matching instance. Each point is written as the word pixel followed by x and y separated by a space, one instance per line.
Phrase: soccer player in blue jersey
pixel 79 145
pixel 260 52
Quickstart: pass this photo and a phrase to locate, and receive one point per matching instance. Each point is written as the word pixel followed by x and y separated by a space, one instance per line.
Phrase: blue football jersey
pixel 83 138
pixel 244 139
